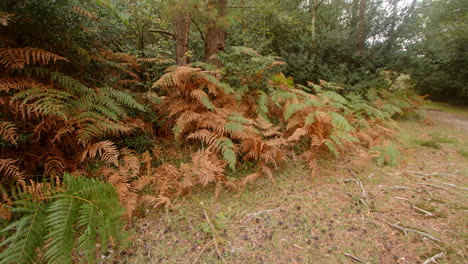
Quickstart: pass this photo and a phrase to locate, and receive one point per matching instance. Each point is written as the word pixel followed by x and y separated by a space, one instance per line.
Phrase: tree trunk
pixel 354 19
pixel 181 24
pixel 361 38
pixel 216 34
pixel 314 18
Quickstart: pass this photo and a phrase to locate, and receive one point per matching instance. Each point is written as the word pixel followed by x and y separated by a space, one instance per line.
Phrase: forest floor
pixel 405 214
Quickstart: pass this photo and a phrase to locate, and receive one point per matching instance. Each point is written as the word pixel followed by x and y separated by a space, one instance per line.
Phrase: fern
pixel 225 145
pixel 389 155
pixel 18 58
pixel 86 211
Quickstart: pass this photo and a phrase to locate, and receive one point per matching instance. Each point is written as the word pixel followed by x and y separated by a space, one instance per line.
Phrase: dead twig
pixel 414 207
pixel 434 258
pixel 448 184
pixel 435 186
pixel 354 258
pixel 405 231
pixel 215 233
pixel 362 201
pixel 201 252
pixel 434 174
pixel 396 187
pixel 359 183
pixel 433 243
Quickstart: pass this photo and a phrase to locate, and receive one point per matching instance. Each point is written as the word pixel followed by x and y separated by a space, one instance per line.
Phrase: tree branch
pixel 160 31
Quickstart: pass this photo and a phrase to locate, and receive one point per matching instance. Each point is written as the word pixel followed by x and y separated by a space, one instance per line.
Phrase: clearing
pixel 413 213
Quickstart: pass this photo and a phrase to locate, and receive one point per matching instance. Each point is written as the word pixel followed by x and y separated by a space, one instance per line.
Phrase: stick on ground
pixel 434 258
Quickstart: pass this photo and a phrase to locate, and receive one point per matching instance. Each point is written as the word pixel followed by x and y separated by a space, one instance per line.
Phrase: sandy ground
pixel 454 120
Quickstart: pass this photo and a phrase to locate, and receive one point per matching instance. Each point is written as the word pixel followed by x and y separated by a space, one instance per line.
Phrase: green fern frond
pixel 331 147
pixel 310 118
pixel 389 155
pixel 238 118
pixel 225 145
pixel 231 127
pixel 62 215
pixel 292 109
pixel 340 122
pixel 71 84
pixel 346 136
pixel 262 101
pixel 28 237
pixel 122 98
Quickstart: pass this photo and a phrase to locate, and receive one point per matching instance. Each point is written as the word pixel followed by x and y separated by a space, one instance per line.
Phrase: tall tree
pixel 361 25
pixel 181 23
pixel 216 32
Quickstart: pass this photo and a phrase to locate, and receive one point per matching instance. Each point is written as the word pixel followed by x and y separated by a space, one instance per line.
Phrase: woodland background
pixel 100 98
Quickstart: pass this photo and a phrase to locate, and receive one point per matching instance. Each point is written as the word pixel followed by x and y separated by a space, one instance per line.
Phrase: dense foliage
pixel 90 88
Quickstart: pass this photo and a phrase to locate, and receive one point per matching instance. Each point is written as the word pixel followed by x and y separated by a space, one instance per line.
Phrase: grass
pixel 300 219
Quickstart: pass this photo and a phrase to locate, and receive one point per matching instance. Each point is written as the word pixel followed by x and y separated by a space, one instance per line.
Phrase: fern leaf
pixel 292 109
pixel 8 132
pixel 29 231
pixel 121 97
pixel 18 58
pixel 9 169
pixel 331 147
pixel 62 215
pixel 105 149
pixel 225 145
pixel 340 122
pixel 232 128
pixel 203 98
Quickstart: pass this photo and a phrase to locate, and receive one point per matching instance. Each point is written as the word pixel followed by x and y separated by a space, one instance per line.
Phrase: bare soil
pixel 405 214
pixel 453 120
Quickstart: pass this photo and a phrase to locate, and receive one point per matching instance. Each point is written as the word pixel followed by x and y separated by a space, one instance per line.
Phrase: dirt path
pixel 406 214
pixel 454 120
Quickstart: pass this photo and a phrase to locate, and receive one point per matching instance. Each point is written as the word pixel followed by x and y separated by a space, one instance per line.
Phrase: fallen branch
pixel 354 258
pixel 434 174
pixel 434 258
pixel 358 199
pixel 414 207
pixel 435 186
pixel 427 213
pixel 359 183
pixel 396 187
pixel 406 230
pixel 448 184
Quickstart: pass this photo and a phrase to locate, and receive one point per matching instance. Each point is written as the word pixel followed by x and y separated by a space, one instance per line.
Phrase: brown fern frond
pixel 20 57
pixel 204 136
pixel 10 169
pixel 63 131
pixel 54 165
pixel 7 84
pixel 298 134
pixel 8 132
pixel 106 149
pixel 42 190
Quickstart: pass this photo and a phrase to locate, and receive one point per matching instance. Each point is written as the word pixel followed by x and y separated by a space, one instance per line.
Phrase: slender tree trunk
pixel 216 34
pixel 361 38
pixel 354 19
pixel 181 24
pixel 312 26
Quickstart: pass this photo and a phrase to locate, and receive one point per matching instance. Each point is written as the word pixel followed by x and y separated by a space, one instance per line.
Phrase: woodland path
pixel 450 119
pixel 413 213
